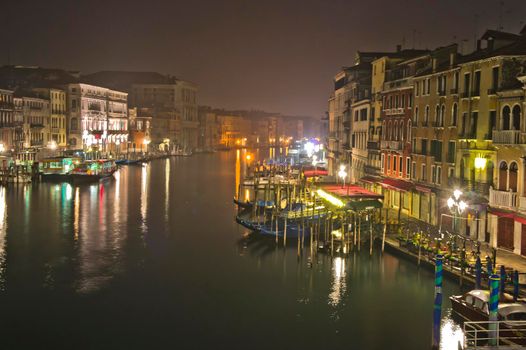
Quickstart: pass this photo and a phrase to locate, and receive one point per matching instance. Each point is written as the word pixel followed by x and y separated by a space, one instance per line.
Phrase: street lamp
pixel 456 206
pixel 342 174
pixel 2 148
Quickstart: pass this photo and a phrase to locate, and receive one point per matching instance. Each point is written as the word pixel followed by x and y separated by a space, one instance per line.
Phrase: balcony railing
pixel 507 137
pixel 522 203
pixel 454 91
pixel 372 145
pixel 395 145
pixel 37 142
pixel 506 199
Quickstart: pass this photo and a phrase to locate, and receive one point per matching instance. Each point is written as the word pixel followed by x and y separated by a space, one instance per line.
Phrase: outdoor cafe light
pixel 450 202
pixel 480 163
pixel 457 193
pixel 2 147
pixel 309 148
pixel 342 173
pixel 314 160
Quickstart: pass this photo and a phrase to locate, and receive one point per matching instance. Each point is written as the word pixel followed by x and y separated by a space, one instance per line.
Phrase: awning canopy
pixel 370 179
pixel 507 214
pixel 350 191
pixel 316 172
pixel 395 184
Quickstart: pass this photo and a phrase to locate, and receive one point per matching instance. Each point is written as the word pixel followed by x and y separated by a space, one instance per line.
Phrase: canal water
pixel 153 259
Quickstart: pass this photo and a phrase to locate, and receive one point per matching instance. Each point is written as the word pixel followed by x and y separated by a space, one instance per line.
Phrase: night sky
pixel 276 55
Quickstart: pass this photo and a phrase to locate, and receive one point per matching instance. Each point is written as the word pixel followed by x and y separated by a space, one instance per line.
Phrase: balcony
pixel 442 92
pixel 492 91
pixel 522 203
pixel 373 145
pixel 505 199
pixel 465 94
pixel 36 143
pixel 506 137
pixel 454 91
pixel 394 145
pixel 36 125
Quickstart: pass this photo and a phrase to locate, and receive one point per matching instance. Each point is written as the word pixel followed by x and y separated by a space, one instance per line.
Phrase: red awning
pixel 395 184
pixel 370 179
pixel 501 213
pixel 352 191
pixel 423 189
pixel 317 172
pixel 507 214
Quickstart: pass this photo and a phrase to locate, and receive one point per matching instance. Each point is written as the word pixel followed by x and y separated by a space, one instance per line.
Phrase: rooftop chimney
pixel 452 59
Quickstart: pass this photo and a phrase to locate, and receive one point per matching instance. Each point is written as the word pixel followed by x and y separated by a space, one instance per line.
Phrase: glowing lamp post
pixel 342 174
pixel 2 148
pixel 146 142
pixel 456 206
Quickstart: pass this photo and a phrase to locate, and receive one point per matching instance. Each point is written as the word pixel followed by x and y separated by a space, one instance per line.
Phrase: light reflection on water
pixel 106 230
pixel 339 284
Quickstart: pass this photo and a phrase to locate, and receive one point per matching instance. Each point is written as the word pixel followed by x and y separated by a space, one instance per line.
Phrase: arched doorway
pixel 503 176
pixel 489 173
pixel 513 172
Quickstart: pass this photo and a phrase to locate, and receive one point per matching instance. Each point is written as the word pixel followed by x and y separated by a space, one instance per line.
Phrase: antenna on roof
pixel 475 35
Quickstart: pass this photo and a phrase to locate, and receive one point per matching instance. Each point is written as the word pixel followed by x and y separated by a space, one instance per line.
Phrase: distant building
pixel 170 102
pixel 10 127
pixel 140 132
pixel 57 118
pixel 97 118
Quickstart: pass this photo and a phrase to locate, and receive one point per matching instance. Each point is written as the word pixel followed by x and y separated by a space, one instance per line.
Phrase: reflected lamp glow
pixel 330 198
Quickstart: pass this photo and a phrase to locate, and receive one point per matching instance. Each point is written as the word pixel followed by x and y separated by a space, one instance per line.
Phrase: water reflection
pixel 451 333
pixel 3 230
pixel 102 241
pixel 144 197
pixel 339 283
pixel 166 190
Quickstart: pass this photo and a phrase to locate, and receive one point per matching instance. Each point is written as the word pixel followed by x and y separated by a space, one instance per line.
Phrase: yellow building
pixel 434 136
pixel 57 117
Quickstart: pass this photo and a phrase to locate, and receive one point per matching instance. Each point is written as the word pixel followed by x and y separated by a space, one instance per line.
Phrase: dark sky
pixel 276 55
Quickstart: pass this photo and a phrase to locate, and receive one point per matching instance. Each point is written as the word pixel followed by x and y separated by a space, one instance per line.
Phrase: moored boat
pixel 473 306
pixel 57 168
pixel 93 170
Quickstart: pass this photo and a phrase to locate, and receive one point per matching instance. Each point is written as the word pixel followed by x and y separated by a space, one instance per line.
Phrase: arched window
pixel 516 117
pixel 426 116
pixel 503 176
pixel 389 131
pixel 506 118
pixel 442 114
pixel 402 130
pixel 454 115
pixel 409 130
pixel 415 117
pixel 395 131
pixel 437 115
pixel 512 182
pixel 74 123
